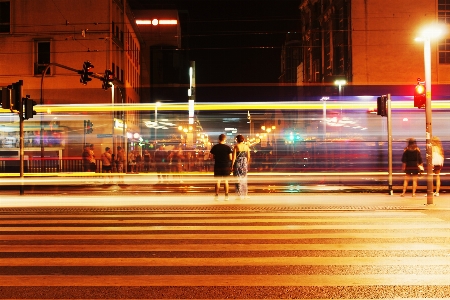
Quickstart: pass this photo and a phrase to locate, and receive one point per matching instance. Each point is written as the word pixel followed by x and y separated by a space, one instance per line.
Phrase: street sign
pixel 106 135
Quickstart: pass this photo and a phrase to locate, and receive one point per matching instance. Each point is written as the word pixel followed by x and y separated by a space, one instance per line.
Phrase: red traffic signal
pixel 420 95
pixel 86 72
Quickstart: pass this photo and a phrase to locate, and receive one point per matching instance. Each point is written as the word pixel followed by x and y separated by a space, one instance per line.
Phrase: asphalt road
pixel 225 250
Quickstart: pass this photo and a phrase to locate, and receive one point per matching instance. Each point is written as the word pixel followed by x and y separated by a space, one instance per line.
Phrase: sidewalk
pixel 289 201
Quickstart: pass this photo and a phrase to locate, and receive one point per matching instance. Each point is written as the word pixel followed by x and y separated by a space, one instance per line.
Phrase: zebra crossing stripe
pixel 225 280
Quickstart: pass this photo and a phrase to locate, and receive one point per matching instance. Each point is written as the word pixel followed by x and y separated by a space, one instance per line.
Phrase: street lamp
pixel 157 104
pixel 428 33
pixel 340 83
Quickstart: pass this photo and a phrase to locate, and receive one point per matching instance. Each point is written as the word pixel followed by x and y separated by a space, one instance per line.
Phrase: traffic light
pixel 420 95
pixel 5 96
pixel 28 104
pixel 381 106
pixel 107 79
pixel 86 72
pixel 16 95
pixel 88 126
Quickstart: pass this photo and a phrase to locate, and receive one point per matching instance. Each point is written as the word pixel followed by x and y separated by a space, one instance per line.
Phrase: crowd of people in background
pixel 233 161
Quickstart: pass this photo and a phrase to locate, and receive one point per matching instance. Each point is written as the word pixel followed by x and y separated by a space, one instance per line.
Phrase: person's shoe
pixel 226 197
pixel 402 195
pixel 413 195
pixel 436 194
pixel 216 197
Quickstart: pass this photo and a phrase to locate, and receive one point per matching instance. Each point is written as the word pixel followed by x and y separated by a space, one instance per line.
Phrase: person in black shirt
pixel 222 164
pixel 411 160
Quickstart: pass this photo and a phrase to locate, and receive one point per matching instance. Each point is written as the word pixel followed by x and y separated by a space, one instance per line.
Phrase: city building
pixel 371 45
pixel 58 37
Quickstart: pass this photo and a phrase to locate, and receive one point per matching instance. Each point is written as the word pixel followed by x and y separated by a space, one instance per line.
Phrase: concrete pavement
pixel 297 200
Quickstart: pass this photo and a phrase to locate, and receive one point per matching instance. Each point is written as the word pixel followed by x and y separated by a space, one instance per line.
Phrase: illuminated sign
pixel 155 22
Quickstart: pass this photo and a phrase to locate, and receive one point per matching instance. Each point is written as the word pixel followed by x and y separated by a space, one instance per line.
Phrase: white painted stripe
pixel 222 215
pixel 229 247
pixel 208 227
pixel 224 280
pixel 229 261
pixel 235 236
pixel 222 221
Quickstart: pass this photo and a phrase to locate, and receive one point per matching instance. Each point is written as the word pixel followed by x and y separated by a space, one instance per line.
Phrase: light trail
pixel 230 106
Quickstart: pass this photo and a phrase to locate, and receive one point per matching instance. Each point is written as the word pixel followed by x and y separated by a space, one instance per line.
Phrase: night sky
pixel 233 41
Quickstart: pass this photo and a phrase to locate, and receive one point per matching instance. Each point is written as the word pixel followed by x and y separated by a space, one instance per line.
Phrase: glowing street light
pixel 340 83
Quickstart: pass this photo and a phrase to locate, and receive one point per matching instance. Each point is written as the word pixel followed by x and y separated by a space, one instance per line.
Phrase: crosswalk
pixel 222 254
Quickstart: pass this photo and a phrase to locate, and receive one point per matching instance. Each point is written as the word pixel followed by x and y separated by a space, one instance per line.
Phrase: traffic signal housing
pixel 86 72
pixel 381 106
pixel 88 126
pixel 5 95
pixel 28 105
pixel 420 97
pixel 107 79
pixel 16 95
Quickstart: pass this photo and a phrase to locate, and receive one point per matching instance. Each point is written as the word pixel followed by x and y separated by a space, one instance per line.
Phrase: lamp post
pixel 426 35
pixel 157 104
pixel 340 83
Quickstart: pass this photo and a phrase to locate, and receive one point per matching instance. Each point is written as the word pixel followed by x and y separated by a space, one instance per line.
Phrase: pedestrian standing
pixel 131 161
pixel 93 163
pixel 412 165
pixel 161 162
pixel 147 161
pixel 222 164
pixel 107 162
pixel 120 161
pixel 86 156
pixel 240 163
pixel 437 161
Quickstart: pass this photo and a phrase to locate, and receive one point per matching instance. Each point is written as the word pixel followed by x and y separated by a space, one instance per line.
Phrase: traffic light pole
pixel 428 117
pixel 21 148
pixel 389 127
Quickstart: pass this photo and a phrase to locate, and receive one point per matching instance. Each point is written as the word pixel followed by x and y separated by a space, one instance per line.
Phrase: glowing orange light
pixel 420 89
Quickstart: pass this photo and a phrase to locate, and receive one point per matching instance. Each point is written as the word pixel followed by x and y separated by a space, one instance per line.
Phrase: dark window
pixel 5 18
pixel 42 57
pixel 444 18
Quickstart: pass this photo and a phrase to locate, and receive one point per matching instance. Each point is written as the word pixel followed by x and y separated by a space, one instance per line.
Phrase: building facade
pixel 372 43
pixel 58 37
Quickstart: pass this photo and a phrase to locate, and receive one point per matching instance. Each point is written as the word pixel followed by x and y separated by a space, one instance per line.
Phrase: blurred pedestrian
pixel 131 161
pixel 93 163
pixel 86 156
pixel 147 161
pixel 120 162
pixel 107 162
pixel 222 154
pixel 120 159
pixel 240 162
pixel 437 161
pixel 412 165
pixel 177 158
pixel 138 156
pixel 161 161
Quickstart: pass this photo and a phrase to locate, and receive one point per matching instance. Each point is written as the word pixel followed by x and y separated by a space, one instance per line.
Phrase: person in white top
pixel 240 162
pixel 437 161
